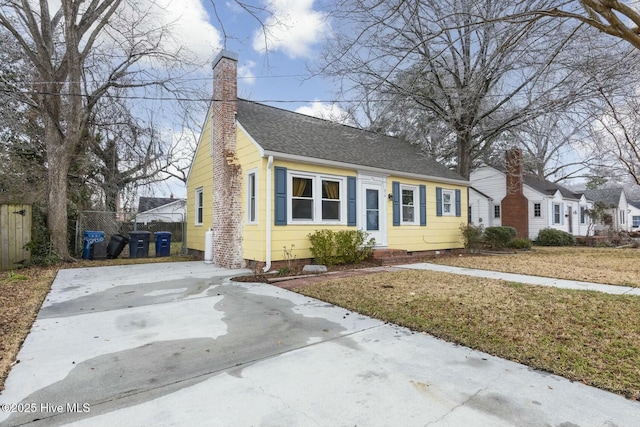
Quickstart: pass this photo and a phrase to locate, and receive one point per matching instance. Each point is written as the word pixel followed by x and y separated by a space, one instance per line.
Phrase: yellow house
pixel 263 179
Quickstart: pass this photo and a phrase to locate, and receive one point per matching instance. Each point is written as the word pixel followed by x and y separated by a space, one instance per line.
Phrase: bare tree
pixel 616 132
pixel 64 46
pixel 451 75
pixel 620 19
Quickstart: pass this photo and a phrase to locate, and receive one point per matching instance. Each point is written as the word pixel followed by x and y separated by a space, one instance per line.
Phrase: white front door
pixel 373 215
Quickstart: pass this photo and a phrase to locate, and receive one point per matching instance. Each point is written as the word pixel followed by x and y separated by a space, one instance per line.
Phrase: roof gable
pixel 148 203
pixel 609 196
pixel 284 132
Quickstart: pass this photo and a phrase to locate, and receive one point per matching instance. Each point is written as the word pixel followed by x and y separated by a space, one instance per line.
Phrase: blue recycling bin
pixel 139 244
pixel 91 237
pixel 163 243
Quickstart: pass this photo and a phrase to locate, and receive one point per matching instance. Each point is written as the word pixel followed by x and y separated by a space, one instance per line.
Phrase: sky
pixel 275 52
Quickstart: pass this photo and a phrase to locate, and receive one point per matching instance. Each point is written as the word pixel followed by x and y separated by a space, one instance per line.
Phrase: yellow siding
pixel 441 232
pixel 253 235
pixel 286 236
pixel 200 175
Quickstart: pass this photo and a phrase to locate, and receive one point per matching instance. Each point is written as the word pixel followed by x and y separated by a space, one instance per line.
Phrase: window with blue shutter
pixel 281 195
pixel 423 205
pixel 458 203
pixel 395 185
pixel 439 201
pixel 351 200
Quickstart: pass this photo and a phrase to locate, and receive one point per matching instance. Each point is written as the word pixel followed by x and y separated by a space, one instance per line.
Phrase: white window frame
pixel 497 209
pixel 254 173
pixel 416 204
pixel 634 223
pixel 199 206
pixel 584 215
pixel 316 182
pixel 553 213
pixel 539 213
pixel 452 202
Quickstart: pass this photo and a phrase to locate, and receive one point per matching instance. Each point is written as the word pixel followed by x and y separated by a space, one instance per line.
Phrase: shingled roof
pixel 547 187
pixel 609 196
pixel 148 203
pixel 284 132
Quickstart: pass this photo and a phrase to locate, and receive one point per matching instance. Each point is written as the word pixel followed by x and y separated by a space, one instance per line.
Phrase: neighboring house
pixel 480 208
pixel 615 202
pixel 634 214
pixel 529 203
pixel 264 178
pixel 158 209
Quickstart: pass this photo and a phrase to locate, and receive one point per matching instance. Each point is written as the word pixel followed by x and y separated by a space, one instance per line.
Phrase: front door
pixel 373 213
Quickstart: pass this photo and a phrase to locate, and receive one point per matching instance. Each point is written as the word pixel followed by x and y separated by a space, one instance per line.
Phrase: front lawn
pixel 584 336
pixel 601 265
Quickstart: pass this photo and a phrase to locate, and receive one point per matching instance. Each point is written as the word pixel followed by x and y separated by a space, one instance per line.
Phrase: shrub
pixel 553 237
pixel 351 247
pixel 499 237
pixel 472 236
pixel 323 246
pixel 342 247
pixel 520 243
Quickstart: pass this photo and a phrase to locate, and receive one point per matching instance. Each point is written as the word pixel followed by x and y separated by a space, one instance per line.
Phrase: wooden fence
pixel 15 233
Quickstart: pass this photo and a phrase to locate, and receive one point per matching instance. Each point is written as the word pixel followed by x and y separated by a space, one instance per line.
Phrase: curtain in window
pixel 299 185
pixel 331 190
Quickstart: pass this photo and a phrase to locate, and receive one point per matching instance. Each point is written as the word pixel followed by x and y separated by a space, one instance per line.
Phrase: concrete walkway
pixel 521 278
pixel 181 344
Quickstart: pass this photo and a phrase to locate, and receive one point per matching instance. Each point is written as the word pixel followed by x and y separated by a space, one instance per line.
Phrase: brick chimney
pixel 515 206
pixel 227 173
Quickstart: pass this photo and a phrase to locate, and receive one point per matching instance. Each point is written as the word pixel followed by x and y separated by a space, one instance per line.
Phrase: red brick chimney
pixel 515 206
pixel 227 173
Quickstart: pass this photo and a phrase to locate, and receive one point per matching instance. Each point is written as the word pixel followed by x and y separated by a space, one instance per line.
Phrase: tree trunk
pixel 58 164
pixel 464 155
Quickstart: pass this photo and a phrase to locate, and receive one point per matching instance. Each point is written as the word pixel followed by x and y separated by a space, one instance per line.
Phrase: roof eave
pixel 323 162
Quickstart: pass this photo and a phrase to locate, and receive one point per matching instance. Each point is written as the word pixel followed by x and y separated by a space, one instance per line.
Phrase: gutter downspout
pixel 267 265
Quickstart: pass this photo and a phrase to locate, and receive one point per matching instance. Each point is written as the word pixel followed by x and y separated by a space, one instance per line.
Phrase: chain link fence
pixel 123 223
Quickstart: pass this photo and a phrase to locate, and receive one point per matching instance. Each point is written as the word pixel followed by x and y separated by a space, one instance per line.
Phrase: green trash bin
pixel 139 244
pixel 163 243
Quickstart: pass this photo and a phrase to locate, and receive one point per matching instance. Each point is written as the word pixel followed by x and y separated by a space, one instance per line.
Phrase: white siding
pixel 481 209
pixel 492 183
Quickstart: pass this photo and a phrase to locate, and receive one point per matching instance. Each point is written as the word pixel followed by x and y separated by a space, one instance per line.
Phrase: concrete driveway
pixel 180 344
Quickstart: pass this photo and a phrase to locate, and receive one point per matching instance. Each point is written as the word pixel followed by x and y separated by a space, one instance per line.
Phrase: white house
pixel 615 201
pixel 634 214
pixel 480 208
pixel 527 202
pixel 156 209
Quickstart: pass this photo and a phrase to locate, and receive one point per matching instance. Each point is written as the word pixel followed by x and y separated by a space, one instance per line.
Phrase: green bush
pixel 342 247
pixel 499 237
pixel 351 247
pixel 520 243
pixel 553 237
pixel 472 236
pixel 323 246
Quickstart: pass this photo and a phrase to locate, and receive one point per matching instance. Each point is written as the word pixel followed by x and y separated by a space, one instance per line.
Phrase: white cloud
pixel 293 27
pixel 325 111
pixel 245 73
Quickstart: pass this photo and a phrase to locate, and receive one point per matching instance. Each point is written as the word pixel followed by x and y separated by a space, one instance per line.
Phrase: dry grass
pixel 600 265
pixel 584 336
pixel 21 294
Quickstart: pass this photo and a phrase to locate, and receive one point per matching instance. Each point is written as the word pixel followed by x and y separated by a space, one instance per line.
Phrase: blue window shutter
pixel 395 185
pixel 281 196
pixel 458 203
pixel 423 205
pixel 439 201
pixel 351 200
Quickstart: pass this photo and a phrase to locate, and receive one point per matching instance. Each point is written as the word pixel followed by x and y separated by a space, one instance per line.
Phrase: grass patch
pixel 584 336
pixel 600 265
